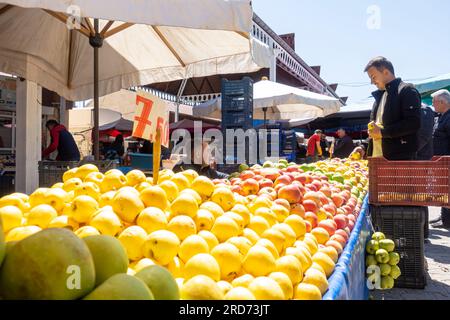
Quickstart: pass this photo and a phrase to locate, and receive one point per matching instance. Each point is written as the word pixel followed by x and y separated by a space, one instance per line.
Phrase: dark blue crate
pixel 238 87
pixel 237 104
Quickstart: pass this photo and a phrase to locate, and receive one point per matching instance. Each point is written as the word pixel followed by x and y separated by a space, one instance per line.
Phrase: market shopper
pixel 314 150
pixel 61 141
pixel 441 142
pixel 343 146
pixel 426 133
pixel 395 118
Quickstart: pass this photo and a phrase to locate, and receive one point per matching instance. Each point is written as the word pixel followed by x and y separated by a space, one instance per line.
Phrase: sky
pixel 343 35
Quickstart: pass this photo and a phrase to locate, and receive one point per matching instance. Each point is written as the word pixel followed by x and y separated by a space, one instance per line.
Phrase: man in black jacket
pixel 426 134
pixel 343 146
pixel 396 116
pixel 441 142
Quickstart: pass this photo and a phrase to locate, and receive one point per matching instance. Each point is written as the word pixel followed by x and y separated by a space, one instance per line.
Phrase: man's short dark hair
pixel 380 63
pixel 51 122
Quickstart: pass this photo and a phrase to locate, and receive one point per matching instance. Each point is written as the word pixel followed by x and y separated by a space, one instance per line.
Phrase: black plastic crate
pixel 237 104
pixel 237 119
pixel 51 172
pixel 412 263
pixel 237 87
pixel 7 185
pixel 405 226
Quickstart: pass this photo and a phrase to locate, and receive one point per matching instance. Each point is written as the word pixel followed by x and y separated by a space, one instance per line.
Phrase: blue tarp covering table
pixel 348 282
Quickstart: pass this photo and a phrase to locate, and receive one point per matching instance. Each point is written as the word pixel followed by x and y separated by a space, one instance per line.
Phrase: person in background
pixel 61 141
pixel 314 150
pixel 325 145
pixel 147 148
pixel 396 115
pixel 441 143
pixel 207 168
pixel 426 134
pixel 343 146
pixel 116 150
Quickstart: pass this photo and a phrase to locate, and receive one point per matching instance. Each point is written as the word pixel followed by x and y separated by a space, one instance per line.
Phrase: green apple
pixel 387 282
pixel 387 245
pixel 291 164
pixel 283 161
pixel 378 236
pixel 338 177
pixel 268 164
pixel 395 272
pixel 385 269
pixel 243 167
pixel 372 247
pixel 256 167
pixel 370 260
pixel 394 258
pixel 382 256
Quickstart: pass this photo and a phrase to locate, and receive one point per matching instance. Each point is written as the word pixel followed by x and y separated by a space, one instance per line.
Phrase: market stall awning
pixel 189 125
pixel 433 84
pixel 155 41
pixel 282 102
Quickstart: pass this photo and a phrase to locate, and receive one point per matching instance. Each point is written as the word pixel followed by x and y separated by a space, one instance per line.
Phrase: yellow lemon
pixel 11 217
pixel 285 284
pixel 141 186
pixel 212 207
pixel 331 252
pixel 317 278
pixel 170 189
pixel 224 198
pixel 192 194
pixel 21 233
pixel 229 259
pixel 325 262
pixel 87 189
pixel 236 217
pixel 304 259
pixel 306 291
pixel 41 215
pixel 242 243
pixel 288 233
pixel 143 263
pixel 184 204
pixel 251 235
pixel 176 267
pixel 87 231
pixel 202 264
pixel 133 238
pixel 82 209
pixel 95 177
pixel 276 237
pixel 191 175
pixel 224 286
pixel 84 170
pixel 243 211
pixel 72 184
pixel 134 177
pixel 239 293
pixel 269 246
pixel 297 224
pixel 267 214
pixel 210 238
pixel 259 203
pixel 243 281
pixel 181 181
pixel 63 222
pixel 69 174
pixel 224 228
pixel 191 246
pixel 106 199
pixel 161 246
pixel 152 219
pixel 203 186
pixel 106 221
pixel 265 288
pixel 280 211
pixel 182 226
pixel 56 198
pixel 200 287
pixel 127 205
pixel 259 261
pixel 113 180
pixel 204 220
pixel 154 196
pixel 291 267
pixel 258 224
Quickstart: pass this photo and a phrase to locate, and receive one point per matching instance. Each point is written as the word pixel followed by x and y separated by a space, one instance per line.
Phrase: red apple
pixel 236 189
pixel 348 210
pixel 328 225
pixel 338 200
pixel 341 221
pixel 314 196
pixel 351 225
pixel 258 177
pixel 323 199
pixel 250 186
pixel 292 169
pixel 284 179
pixel 335 244
pixel 342 233
pixel 312 218
pixel 263 183
pixel 284 203
pixel 297 209
pixel 311 187
pixel 317 183
pixel 311 206
pixel 279 186
pixel 308 226
pixel 329 208
pixel 235 181
pixel 351 217
pixel 326 191
pixel 339 239
pixel 291 193
pixel 269 191
pixel 247 174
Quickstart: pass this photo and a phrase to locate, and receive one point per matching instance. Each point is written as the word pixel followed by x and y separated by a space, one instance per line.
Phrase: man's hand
pixel 375 131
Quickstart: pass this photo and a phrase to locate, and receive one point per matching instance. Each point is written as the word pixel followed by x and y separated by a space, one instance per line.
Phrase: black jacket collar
pixel 390 87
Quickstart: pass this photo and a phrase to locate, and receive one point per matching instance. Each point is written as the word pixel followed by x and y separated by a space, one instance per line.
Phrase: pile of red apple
pixel 328 208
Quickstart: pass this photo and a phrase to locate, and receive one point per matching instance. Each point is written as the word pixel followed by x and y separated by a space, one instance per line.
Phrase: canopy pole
pixel 180 93
pixel 96 41
pixel 265 117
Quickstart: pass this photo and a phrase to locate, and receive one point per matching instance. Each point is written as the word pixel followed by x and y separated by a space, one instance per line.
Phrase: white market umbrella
pixel 142 42
pixel 275 101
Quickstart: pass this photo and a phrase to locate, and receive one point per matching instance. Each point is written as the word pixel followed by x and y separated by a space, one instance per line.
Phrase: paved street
pixel 438 257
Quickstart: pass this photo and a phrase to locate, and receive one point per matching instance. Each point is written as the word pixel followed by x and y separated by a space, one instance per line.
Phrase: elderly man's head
pixel 441 101
pixel 341 133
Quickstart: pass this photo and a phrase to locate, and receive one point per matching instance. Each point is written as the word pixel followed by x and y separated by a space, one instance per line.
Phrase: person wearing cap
pixel 343 146
pixel 314 149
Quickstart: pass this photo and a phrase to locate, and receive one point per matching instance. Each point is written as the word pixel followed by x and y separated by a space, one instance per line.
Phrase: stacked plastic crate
pixel 237 113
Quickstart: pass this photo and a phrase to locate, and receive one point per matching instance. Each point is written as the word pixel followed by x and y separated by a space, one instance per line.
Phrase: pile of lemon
pixel 216 243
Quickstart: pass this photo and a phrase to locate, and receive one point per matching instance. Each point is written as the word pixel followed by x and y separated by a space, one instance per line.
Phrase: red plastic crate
pixel 410 183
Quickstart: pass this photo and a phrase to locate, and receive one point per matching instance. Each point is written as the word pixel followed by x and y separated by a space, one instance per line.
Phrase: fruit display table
pixel 348 281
